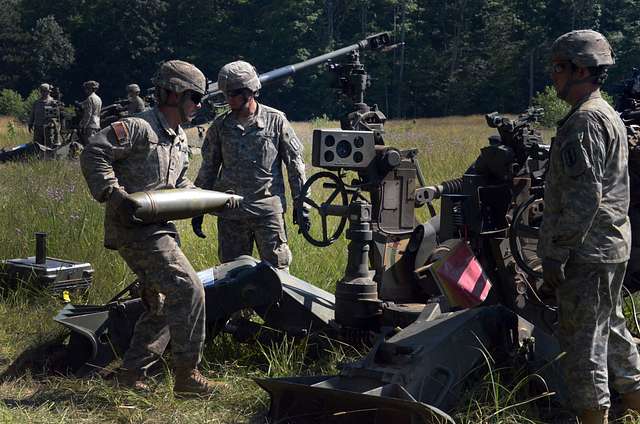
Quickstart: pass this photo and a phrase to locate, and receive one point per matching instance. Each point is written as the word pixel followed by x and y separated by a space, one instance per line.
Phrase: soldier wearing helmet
pixel 243 152
pixel 91 107
pixel 143 153
pixel 39 120
pixel 585 235
pixel 136 104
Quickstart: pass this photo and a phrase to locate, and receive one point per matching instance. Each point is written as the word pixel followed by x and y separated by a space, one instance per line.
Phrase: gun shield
pixel 167 205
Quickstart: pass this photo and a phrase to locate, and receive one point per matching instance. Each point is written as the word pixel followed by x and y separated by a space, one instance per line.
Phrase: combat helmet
pixel 237 75
pixel 584 48
pixel 92 85
pixel 179 76
pixel 135 88
pixel 44 87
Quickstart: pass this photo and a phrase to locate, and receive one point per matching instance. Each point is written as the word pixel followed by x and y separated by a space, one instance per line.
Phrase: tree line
pixel 459 56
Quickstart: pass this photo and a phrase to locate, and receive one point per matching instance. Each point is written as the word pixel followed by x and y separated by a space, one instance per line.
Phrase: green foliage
pixel 460 57
pixel 51 49
pixel 11 103
pixel 554 108
pixel 11 130
pixel 321 121
pixel 27 105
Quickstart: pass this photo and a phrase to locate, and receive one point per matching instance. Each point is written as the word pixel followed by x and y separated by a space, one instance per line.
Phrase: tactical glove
pixel 124 206
pixel 196 225
pixel 304 224
pixel 553 272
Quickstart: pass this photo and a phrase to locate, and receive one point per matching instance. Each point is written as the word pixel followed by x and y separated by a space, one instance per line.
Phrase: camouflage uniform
pixel 141 154
pixel 38 122
pixel 90 122
pixel 586 227
pixel 136 105
pixel 248 160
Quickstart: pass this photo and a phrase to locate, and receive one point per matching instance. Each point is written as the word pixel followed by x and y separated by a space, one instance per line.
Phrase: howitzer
pixel 628 106
pixel 60 133
pixel 119 109
pixel 403 281
pixel 214 96
pixel 113 112
pixel 489 216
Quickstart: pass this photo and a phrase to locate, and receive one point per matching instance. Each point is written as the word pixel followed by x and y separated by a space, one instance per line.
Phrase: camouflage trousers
pixel 594 335
pixel 174 308
pixel 236 238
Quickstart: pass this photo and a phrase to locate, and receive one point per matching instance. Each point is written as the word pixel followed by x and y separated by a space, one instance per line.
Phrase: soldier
pixel 39 120
pixel 136 104
pixel 585 234
pixel 150 152
pixel 243 151
pixel 90 122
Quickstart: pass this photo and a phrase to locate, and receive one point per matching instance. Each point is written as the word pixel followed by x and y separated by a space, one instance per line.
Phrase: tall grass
pixel 51 196
pixel 12 132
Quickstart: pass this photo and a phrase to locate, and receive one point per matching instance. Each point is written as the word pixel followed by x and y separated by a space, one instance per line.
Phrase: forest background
pixel 460 56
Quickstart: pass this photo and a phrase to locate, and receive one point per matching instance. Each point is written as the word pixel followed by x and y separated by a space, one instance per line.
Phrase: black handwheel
pixel 524 234
pixel 336 190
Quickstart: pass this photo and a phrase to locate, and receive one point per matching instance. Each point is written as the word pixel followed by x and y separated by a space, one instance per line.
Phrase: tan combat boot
pixel 130 379
pixel 595 416
pixel 190 382
pixel 631 401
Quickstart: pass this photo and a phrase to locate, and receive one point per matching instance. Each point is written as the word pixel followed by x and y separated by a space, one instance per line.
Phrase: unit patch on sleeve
pixel 121 132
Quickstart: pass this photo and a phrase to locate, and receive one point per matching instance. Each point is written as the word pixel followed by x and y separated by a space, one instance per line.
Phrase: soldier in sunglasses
pixel 143 153
pixel 585 235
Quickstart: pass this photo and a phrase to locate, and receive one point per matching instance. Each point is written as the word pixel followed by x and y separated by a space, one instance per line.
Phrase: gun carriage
pixel 61 136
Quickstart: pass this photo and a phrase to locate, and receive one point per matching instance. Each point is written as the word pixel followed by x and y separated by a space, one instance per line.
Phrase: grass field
pixel 52 197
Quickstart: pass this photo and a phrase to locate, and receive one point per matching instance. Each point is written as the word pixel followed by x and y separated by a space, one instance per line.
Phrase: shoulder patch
pixel 121 132
pixel 293 141
pixel 574 158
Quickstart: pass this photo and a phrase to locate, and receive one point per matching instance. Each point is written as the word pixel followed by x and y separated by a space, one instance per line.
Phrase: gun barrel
pixel 375 42
pixel 166 205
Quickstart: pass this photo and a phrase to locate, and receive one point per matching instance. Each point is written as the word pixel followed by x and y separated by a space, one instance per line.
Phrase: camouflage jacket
pixel 586 195
pixel 141 153
pixel 91 112
pixel 249 162
pixel 136 105
pixel 37 118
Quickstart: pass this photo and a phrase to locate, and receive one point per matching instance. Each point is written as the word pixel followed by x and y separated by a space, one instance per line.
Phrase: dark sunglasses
pixel 196 98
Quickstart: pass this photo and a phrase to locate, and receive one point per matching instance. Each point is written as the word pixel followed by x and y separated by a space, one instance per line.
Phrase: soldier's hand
pixel 125 206
pixel 553 272
pixel 196 224
pixel 301 219
pixel 234 201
